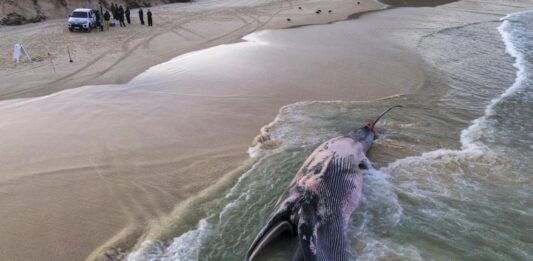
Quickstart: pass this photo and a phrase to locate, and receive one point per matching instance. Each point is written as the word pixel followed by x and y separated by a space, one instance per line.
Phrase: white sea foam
pixel 184 247
pixel 470 137
pixel 149 250
pixel 233 205
pixel 278 132
pixel 387 250
pixel 380 195
pixel 442 171
pixel 472 147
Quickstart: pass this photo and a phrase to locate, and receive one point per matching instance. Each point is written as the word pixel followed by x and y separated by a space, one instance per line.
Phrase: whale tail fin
pixel 275 226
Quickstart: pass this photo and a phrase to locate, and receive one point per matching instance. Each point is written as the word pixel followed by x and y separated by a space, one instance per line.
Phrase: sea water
pixel 453 173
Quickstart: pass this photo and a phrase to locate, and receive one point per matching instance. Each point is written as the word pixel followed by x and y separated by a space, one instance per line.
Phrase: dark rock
pixel 37 18
pixel 13 19
pixel 17 19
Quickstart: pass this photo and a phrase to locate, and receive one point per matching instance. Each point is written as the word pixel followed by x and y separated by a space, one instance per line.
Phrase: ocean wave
pixel 381 213
pixel 448 186
pixel 379 249
pixel 184 247
pixel 472 146
pixel 429 183
pixel 470 137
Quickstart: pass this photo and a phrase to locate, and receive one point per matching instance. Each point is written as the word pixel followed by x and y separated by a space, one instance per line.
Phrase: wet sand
pixel 85 170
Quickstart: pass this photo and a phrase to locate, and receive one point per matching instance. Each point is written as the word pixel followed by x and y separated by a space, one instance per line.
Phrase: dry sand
pixel 88 168
pixel 118 55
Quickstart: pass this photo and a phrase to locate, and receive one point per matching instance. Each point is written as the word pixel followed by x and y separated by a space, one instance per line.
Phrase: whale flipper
pixel 276 225
pixel 270 235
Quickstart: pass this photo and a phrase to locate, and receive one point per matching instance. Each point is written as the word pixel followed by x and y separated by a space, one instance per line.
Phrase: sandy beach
pixel 118 55
pixel 76 184
pixel 96 153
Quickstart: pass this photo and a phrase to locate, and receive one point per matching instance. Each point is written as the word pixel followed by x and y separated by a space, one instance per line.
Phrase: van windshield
pixel 79 14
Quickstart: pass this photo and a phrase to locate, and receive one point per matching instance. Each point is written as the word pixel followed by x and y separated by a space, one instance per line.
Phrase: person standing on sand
pixel 117 13
pixel 128 18
pixel 114 11
pixel 120 13
pixel 98 19
pixel 107 17
pixel 101 22
pixel 149 15
pixel 141 16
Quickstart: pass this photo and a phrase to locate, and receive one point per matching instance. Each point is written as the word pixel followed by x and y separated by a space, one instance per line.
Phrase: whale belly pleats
pixel 319 202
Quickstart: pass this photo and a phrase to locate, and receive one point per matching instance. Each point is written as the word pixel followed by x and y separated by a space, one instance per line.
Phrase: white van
pixel 82 19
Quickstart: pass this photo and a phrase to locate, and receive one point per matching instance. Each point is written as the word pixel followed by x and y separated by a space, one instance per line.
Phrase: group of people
pixel 119 14
pixel 148 15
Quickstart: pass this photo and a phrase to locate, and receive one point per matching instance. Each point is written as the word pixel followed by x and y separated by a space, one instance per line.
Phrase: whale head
pixel 367 134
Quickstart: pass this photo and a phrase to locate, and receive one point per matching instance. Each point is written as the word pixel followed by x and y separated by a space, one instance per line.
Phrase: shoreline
pixel 165 238
pixel 107 191
pixel 124 233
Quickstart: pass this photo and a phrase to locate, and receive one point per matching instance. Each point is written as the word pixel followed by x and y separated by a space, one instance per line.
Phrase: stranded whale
pixel 321 198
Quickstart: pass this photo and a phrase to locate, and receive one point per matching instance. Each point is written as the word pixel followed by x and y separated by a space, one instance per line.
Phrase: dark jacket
pixel 120 13
pixel 107 16
pixel 114 11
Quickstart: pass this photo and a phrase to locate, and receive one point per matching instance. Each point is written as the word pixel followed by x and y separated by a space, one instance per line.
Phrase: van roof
pixel 82 10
